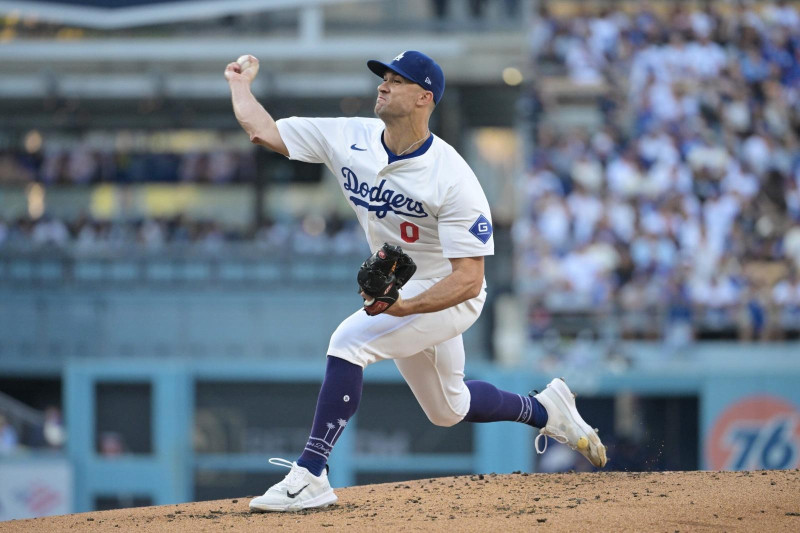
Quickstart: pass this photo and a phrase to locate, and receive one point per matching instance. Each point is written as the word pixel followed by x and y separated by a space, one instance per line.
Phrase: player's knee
pixel 445 419
pixel 446 413
pixel 338 337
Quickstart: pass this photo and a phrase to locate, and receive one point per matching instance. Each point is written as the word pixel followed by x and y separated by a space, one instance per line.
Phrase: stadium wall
pixel 749 415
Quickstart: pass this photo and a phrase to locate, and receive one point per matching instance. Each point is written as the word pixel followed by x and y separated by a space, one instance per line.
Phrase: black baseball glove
pixel 381 275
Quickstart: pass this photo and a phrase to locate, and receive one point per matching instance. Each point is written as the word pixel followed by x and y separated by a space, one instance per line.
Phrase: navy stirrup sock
pixel 337 402
pixel 490 404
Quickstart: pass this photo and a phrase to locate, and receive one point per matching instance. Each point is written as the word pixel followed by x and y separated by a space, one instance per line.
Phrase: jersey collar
pixel 416 153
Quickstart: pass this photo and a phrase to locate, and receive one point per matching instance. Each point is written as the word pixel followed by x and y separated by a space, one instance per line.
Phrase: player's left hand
pixel 381 276
pixel 399 308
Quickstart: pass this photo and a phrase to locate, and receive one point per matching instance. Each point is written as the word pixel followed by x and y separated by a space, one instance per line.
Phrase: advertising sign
pixel 756 431
pixel 30 488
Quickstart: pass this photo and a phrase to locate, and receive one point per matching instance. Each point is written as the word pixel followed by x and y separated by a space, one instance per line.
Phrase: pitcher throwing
pixel 427 219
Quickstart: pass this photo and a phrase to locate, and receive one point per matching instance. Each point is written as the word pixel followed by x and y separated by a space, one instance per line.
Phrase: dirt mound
pixel 663 501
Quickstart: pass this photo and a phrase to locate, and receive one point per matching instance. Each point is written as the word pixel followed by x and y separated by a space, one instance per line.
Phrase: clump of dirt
pixel 601 501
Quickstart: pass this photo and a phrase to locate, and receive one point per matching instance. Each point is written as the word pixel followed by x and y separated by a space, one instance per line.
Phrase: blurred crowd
pixel 312 234
pixel 18 433
pixel 83 165
pixel 680 213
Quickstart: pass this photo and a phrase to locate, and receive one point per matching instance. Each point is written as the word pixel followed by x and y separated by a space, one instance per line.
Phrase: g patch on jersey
pixel 482 229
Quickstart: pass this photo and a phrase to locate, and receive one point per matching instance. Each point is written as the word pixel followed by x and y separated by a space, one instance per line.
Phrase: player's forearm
pixel 456 288
pixel 254 119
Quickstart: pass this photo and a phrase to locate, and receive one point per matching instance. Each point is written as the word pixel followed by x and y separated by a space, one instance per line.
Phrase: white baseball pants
pixel 427 349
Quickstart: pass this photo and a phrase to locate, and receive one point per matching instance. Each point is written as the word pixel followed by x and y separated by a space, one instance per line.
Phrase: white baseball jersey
pixel 429 202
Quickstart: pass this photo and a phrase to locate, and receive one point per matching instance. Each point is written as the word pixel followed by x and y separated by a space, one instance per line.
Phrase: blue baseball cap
pixel 417 67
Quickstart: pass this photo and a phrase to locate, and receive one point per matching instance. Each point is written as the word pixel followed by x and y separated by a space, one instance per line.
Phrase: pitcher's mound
pixel 614 501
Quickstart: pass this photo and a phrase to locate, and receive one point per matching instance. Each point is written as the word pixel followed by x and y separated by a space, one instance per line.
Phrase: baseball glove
pixel 381 275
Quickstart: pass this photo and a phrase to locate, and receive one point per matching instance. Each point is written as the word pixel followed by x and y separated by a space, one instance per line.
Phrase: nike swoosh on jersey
pixel 295 494
pixel 354 147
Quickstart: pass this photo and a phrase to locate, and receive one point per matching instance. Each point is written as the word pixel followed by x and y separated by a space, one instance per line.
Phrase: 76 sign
pixel 757 432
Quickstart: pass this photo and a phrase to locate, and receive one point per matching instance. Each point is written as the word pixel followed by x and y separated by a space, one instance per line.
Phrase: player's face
pixel 397 96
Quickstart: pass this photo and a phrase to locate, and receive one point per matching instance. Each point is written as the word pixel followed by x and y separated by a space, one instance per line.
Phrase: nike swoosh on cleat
pixel 294 495
pixel 354 147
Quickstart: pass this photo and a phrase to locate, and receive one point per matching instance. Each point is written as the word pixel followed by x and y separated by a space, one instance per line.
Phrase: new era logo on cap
pixel 482 229
pixel 416 67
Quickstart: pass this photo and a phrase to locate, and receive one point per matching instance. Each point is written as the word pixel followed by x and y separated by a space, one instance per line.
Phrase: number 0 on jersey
pixel 409 232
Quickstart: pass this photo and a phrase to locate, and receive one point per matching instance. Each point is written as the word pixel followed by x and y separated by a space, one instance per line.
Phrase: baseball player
pixel 408 188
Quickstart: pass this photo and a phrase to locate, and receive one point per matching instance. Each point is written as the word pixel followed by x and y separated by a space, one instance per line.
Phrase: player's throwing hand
pixel 244 68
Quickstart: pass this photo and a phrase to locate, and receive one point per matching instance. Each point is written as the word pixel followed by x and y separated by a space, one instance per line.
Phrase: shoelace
pixel 543 433
pixel 295 474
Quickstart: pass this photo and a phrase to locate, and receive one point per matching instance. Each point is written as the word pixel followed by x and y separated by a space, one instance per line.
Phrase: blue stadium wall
pixel 227 378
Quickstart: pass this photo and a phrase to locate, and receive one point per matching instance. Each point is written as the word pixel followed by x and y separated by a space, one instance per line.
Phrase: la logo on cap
pixel 398 58
pixel 427 80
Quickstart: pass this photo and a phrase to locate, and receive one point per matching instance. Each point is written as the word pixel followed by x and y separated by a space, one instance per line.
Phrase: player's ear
pixel 425 98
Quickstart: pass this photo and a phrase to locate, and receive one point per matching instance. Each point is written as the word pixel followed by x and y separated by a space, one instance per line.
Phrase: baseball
pixel 245 62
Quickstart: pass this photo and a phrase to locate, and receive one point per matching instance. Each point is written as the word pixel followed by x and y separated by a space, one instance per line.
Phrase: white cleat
pixel 566 426
pixel 300 489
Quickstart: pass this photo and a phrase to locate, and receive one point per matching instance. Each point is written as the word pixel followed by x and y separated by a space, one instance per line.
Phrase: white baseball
pixel 245 63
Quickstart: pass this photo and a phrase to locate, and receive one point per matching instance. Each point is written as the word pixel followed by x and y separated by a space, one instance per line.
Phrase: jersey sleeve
pixel 465 222
pixel 309 139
